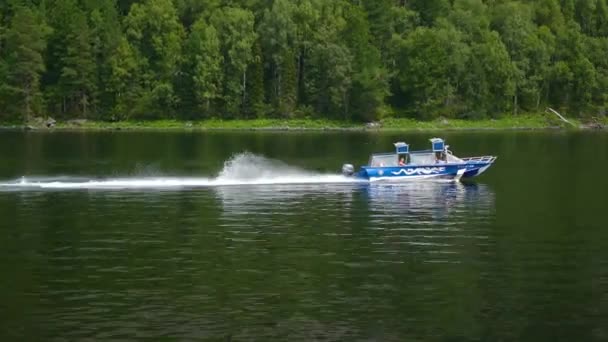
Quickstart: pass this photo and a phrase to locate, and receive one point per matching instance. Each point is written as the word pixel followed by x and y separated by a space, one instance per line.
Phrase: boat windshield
pixel 429 158
pixel 384 160
pixel 454 159
pixel 422 158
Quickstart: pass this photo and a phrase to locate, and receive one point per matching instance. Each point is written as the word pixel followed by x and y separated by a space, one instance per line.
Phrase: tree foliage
pixel 23 48
pixel 343 59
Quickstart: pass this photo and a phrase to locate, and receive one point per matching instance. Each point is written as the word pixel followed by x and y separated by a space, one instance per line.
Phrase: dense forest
pixel 341 59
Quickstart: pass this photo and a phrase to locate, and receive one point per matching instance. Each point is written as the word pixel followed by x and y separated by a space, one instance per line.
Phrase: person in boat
pixel 402 161
pixel 439 158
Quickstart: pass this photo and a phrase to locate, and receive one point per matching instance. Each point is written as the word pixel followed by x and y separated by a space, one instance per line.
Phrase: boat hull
pixel 476 168
pixel 442 171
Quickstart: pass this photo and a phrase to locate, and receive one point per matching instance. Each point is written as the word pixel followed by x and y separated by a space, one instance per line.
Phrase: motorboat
pixel 437 163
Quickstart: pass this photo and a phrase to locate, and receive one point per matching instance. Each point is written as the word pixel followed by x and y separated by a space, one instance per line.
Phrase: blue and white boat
pixel 437 163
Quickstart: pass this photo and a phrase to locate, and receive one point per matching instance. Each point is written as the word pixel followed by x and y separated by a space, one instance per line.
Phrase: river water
pixel 241 236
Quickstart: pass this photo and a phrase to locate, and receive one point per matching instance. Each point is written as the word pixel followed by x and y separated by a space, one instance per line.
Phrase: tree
pixel 332 79
pixel 255 106
pixel 573 77
pixel 530 49
pixel 204 65
pixel 306 17
pixel 71 73
pixel 77 78
pixel 601 21
pixel 548 13
pixel 192 10
pixel 124 82
pixel 3 68
pixel 488 85
pixel 370 79
pixel 470 17
pixel 341 59
pixel 433 61
pixel 585 12
pixel 154 31
pixel 431 10
pixel 105 32
pixel 380 20
pixel 595 51
pixel 278 36
pixel 25 44
pixel 237 37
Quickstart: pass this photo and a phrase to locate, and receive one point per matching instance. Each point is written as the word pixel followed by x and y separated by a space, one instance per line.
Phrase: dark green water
pixel 134 236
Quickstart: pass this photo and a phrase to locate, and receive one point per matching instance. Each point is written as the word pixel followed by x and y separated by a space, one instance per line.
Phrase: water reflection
pixel 373 249
pixel 435 198
pixel 518 260
pixel 243 199
pixel 408 200
pixel 433 221
pixel 428 222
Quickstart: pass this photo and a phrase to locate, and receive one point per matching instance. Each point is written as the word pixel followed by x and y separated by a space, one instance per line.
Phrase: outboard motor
pixel 348 170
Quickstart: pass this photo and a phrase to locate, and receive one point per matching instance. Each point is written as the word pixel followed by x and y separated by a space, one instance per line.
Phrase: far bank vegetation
pixel 354 61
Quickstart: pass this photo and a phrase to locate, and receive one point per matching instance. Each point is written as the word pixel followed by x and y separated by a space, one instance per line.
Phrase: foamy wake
pixel 242 169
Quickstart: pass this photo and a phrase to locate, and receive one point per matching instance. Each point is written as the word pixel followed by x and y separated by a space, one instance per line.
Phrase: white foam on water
pixel 242 169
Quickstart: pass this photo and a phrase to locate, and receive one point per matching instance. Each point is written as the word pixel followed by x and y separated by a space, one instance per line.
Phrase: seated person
pixel 439 158
pixel 402 162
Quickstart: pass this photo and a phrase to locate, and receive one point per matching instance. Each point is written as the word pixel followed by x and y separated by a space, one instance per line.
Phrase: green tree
pixel 237 38
pixel 306 17
pixel 204 65
pixel 548 13
pixel 341 59
pixel 254 101
pixel 154 31
pixel 124 83
pixel 77 78
pixel 471 17
pixel 601 21
pixel 191 10
pixel 488 85
pixel 433 61
pixel 585 12
pixel 25 41
pixel 573 77
pixel 105 32
pixel 370 78
pixel 71 73
pixel 568 9
pixel 380 20
pixel 530 49
pixel 431 10
pixel 595 51
pixel 3 68
pixel 278 35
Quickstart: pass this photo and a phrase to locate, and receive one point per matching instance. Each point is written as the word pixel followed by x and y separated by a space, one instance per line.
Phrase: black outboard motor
pixel 348 170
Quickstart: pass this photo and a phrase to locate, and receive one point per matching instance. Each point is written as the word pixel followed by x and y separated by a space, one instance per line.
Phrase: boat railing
pixel 482 159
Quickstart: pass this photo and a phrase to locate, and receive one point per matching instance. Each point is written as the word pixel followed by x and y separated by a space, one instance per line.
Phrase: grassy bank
pixel 214 124
pixel 506 123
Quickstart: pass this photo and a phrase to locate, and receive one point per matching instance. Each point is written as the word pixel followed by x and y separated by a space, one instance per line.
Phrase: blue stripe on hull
pixel 410 172
pixel 475 169
pixel 448 171
pixel 470 173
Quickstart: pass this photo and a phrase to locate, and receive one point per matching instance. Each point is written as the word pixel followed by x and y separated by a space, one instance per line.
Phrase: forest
pixel 353 60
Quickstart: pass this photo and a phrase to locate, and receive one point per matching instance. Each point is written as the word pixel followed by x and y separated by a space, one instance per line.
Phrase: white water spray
pixel 242 169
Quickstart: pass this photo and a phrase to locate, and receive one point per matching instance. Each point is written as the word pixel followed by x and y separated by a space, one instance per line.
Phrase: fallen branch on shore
pixel 560 116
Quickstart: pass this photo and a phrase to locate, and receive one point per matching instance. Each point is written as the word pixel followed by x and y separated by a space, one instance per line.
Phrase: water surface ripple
pixel 519 258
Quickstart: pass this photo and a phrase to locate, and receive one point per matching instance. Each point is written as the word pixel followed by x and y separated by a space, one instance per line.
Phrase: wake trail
pixel 242 169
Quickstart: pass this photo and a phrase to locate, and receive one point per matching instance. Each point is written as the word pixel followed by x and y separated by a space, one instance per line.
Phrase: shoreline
pixel 522 123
